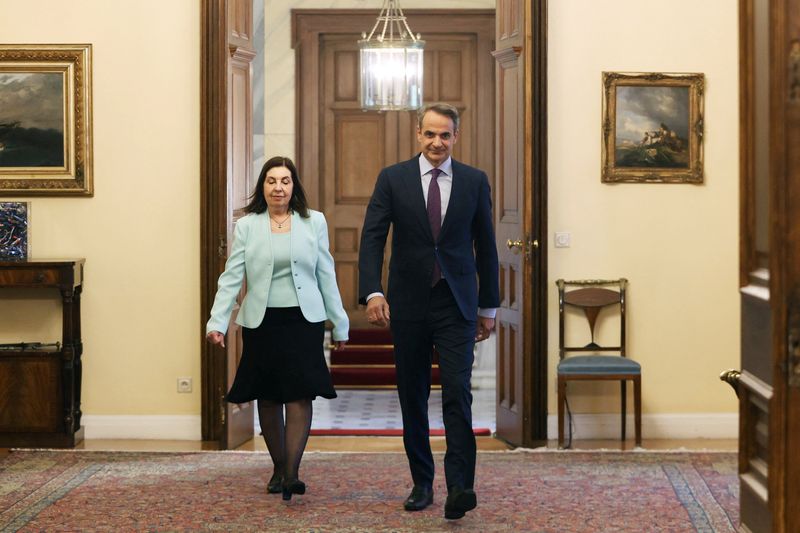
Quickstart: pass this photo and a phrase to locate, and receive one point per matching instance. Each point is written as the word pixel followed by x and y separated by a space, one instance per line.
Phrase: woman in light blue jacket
pixel 281 249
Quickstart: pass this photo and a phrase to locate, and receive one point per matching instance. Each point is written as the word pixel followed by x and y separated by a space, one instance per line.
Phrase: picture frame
pixel 46 120
pixel 652 127
pixel 15 221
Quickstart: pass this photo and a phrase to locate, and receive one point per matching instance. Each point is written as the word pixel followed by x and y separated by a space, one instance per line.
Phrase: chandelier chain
pixel 392 15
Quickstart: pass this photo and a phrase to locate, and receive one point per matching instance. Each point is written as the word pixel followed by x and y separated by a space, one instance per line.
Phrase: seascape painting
pixel 31 119
pixel 652 127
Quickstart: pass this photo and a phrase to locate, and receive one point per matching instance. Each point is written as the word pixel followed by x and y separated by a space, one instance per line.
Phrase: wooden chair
pixel 608 363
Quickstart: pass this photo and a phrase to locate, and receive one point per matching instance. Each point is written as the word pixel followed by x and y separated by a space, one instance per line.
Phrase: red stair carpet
pixel 367 362
pixel 395 432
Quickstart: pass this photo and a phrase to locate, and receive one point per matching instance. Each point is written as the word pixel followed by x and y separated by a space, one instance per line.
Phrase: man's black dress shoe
pixel 459 501
pixel 419 499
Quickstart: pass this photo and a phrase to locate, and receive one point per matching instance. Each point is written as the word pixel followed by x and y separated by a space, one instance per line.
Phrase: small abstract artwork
pixel 14 237
pixel 652 128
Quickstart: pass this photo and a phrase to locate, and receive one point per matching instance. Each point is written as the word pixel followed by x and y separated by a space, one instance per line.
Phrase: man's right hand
pixel 378 311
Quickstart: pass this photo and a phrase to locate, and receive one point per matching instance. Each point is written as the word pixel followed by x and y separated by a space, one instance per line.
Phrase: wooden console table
pixel 40 387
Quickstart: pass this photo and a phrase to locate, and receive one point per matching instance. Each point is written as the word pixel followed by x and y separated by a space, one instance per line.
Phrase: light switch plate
pixel 562 239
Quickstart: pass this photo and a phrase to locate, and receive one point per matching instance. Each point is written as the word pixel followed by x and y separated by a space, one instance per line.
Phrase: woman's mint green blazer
pixel 251 258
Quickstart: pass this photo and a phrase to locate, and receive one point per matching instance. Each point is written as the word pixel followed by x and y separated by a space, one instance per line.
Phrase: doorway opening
pixel 456 61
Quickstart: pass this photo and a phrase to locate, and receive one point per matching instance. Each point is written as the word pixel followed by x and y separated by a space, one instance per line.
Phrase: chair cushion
pixel 598 364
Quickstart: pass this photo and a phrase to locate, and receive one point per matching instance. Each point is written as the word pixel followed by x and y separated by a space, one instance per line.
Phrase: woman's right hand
pixel 215 337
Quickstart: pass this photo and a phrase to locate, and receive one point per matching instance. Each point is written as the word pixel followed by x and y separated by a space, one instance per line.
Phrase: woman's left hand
pixel 338 345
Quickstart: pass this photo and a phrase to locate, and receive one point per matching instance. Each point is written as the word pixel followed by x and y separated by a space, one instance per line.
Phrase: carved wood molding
pixel 239 53
pixel 507 57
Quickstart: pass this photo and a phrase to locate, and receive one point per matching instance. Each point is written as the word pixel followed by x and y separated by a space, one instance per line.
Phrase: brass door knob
pixel 516 246
pixel 520 245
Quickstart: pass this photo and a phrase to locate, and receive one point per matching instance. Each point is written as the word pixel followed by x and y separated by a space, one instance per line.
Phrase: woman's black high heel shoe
pixel 275 484
pixel 292 486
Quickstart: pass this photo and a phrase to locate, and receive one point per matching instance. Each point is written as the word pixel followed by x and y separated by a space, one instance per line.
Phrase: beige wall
pixel 140 231
pixel 677 244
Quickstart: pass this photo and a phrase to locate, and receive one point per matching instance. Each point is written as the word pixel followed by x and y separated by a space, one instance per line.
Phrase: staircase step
pixel 370 376
pixel 367 361
pixel 370 336
pixel 357 357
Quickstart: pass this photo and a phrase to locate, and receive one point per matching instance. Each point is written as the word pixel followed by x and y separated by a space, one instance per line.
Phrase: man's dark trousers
pixel 454 338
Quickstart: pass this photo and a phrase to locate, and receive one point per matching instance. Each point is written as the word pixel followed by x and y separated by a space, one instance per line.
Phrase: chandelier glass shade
pixel 391 61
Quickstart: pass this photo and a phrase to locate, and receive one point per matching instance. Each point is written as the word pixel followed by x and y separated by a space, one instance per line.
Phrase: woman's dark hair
pixel 298 202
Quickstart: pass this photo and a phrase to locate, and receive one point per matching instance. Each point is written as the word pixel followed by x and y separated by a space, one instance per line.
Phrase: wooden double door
pixel 493 68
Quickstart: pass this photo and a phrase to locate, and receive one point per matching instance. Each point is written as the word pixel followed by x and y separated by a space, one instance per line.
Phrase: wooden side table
pixel 40 387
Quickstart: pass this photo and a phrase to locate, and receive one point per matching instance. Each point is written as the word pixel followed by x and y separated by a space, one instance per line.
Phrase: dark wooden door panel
pixel 769 387
pixel 239 418
pixel 520 199
pixel 226 184
pixel 510 198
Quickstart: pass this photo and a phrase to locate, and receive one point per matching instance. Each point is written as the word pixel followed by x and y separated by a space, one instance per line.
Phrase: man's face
pixel 436 137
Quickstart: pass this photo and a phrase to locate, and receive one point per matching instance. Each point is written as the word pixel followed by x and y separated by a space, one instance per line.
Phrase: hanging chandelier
pixel 391 63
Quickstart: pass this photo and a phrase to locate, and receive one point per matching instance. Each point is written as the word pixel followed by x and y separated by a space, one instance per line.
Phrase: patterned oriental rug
pixel 559 492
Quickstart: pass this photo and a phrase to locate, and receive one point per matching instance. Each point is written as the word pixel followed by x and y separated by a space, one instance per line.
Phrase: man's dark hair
pixel 441 108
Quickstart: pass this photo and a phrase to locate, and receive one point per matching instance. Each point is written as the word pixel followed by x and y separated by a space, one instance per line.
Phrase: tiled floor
pixel 380 409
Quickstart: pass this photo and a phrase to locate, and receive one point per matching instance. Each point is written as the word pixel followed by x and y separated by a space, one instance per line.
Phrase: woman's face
pixel 278 187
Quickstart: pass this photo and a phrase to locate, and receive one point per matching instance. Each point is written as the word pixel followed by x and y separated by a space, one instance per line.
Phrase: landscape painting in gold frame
pixel 46 120
pixel 652 128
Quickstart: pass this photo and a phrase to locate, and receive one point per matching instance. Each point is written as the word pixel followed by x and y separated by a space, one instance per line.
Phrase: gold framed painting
pixel 652 128
pixel 46 120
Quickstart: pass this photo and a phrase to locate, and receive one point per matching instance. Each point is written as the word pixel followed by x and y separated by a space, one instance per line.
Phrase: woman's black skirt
pixel 282 360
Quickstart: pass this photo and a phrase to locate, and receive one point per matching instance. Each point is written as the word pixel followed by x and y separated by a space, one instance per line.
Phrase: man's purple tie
pixel 435 219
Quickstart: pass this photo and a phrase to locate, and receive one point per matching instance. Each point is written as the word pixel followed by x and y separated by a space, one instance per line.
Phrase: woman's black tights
pixel 286 441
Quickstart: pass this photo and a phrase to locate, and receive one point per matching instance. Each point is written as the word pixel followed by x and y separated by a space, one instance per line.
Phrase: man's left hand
pixel 485 327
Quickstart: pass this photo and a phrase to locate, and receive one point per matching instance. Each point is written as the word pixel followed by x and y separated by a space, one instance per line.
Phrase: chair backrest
pixel 591 297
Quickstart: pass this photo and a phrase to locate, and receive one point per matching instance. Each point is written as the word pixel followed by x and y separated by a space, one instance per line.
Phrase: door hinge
pixel 794 72
pixel 794 356
pixel 793 341
pixel 222 249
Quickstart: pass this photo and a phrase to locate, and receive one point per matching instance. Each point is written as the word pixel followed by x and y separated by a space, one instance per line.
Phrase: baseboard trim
pixel 654 426
pixel 156 427
pixel 586 426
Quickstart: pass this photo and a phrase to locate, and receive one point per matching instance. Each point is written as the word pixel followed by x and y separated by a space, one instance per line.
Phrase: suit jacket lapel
pixel 453 204
pixel 264 235
pixel 413 184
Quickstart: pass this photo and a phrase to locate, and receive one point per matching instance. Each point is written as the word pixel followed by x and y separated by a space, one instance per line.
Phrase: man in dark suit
pixel 443 292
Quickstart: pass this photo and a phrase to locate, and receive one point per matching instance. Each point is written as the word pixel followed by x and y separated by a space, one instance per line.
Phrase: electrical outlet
pixel 184 384
pixel 562 239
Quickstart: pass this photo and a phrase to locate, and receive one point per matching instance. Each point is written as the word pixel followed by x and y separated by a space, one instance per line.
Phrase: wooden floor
pixel 395 444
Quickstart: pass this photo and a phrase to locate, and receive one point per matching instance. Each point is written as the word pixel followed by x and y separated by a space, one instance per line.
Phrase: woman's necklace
pixel 282 222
